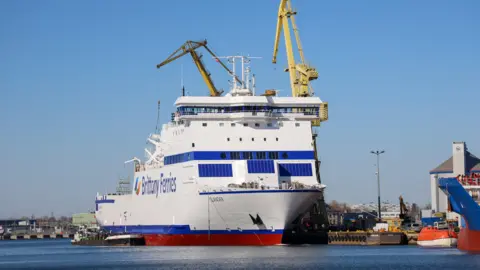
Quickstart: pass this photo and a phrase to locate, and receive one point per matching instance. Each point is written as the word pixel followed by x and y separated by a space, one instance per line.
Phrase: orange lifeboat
pixel 437 237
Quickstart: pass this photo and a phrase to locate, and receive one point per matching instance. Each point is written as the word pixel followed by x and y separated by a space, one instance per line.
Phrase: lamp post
pixel 377 152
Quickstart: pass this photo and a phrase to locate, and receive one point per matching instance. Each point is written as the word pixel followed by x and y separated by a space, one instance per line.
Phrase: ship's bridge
pixel 256 108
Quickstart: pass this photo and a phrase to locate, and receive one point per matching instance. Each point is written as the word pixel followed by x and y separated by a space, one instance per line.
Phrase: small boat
pixel 437 236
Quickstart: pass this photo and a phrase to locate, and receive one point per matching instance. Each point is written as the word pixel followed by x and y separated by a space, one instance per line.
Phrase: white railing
pixel 258 186
pixel 473 180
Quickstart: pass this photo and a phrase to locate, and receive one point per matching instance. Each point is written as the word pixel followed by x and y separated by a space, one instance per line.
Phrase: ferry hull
pixel 469 240
pixel 214 240
pixel 233 218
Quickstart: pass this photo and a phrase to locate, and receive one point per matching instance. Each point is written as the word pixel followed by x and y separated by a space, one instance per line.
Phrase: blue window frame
pixel 260 166
pixel 295 169
pixel 215 170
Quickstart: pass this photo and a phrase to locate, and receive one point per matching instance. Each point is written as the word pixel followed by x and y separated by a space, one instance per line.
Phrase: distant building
pixel 17 222
pixel 84 219
pixel 343 220
pixel 462 163
pixel 359 220
pixel 335 218
pixel 391 215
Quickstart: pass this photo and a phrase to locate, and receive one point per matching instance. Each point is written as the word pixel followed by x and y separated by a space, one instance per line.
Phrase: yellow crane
pixel 190 47
pixel 300 73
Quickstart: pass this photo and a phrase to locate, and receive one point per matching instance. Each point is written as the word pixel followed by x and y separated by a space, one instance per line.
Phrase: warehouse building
pixel 84 219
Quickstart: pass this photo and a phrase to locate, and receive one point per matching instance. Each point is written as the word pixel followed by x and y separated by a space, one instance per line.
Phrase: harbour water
pixel 59 254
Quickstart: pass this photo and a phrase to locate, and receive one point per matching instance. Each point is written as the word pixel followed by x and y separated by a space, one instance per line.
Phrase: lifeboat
pixel 437 237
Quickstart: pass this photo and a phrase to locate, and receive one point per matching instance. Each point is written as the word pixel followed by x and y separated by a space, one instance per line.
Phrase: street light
pixel 378 180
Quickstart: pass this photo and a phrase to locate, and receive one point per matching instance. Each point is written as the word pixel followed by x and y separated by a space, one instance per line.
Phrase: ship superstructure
pixel 237 169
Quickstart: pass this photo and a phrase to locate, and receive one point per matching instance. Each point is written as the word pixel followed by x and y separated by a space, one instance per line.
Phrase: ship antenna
pixel 181 81
pixel 158 117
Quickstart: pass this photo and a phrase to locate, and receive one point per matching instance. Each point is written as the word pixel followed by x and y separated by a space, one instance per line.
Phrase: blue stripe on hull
pixel 97 202
pixel 179 229
pixel 104 201
pixel 261 191
pixel 239 155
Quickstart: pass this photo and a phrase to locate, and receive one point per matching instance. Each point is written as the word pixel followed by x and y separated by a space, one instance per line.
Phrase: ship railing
pixel 308 110
pixel 472 180
pixel 258 186
pixel 249 112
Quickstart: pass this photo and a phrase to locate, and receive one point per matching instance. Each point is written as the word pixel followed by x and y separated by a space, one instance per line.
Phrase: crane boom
pixel 297 35
pixel 222 64
pixel 190 47
pixel 300 73
pixel 279 30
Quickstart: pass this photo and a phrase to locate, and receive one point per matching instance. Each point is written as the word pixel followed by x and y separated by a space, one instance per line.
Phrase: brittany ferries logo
pixel 148 186
pixel 137 186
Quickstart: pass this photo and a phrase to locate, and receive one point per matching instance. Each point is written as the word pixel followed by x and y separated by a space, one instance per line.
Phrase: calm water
pixel 59 254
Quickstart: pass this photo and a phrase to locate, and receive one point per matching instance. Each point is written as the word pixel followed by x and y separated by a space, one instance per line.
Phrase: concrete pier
pixel 36 236
pixel 367 238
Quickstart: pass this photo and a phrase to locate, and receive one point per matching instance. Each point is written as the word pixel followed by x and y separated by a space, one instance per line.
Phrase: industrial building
pixel 84 219
pixel 462 163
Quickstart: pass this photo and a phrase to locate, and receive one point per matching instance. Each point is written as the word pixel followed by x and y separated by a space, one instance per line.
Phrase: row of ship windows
pixel 256 166
pixel 250 155
pixel 195 110
pixel 246 124
pixel 245 155
pixel 240 139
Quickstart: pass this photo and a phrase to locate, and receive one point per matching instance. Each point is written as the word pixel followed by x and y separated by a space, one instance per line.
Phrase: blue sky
pixel 79 88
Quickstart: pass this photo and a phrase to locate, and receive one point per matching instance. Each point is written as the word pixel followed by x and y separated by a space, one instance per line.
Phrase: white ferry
pixel 237 169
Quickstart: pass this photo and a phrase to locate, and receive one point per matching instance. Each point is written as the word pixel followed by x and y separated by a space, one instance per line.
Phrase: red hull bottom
pixel 469 240
pixel 213 239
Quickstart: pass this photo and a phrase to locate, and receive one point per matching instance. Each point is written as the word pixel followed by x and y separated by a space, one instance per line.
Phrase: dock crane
pixel 403 208
pixel 190 47
pixel 300 73
pixel 300 76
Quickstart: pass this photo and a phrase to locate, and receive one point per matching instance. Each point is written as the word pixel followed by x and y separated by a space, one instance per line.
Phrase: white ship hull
pixel 184 214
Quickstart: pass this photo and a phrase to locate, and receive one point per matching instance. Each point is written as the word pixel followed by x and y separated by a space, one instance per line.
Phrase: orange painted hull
pixel 469 240
pixel 213 239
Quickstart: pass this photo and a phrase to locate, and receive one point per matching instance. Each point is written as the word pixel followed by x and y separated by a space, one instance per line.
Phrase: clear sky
pixel 79 88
